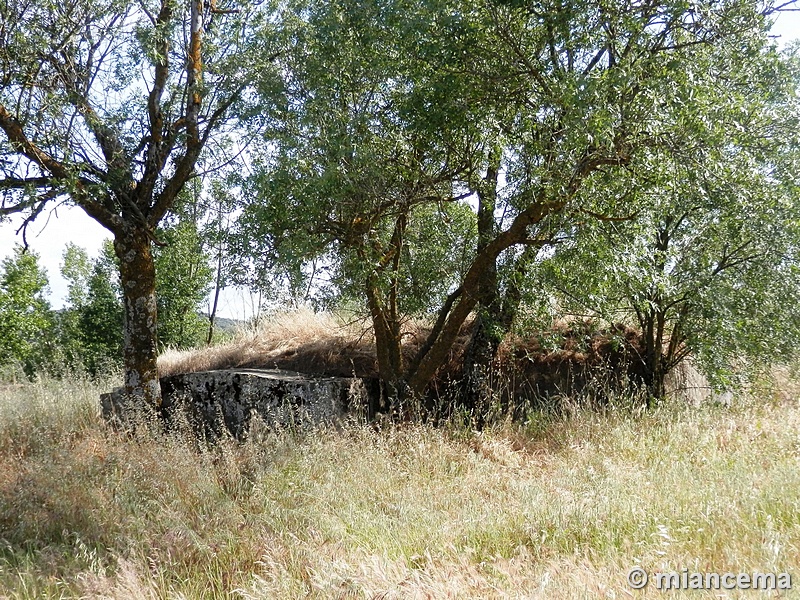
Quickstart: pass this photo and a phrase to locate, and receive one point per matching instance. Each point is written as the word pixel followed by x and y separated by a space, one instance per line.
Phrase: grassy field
pixel 557 507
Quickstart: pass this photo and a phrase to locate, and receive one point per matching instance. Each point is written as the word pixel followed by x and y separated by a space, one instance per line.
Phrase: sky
pixel 49 235
pixel 53 230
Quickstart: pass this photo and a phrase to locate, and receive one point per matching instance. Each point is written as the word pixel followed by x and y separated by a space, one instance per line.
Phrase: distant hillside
pixel 223 325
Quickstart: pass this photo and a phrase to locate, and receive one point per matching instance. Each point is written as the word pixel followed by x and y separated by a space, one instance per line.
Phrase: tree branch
pixel 606 218
pixel 60 173
pixel 17 183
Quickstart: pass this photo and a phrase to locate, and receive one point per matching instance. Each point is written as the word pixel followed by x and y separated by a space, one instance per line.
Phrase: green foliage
pixel 90 326
pixel 216 234
pixel 25 318
pixel 439 242
pixel 363 136
pixel 114 107
pixel 101 318
pixel 389 111
pixel 76 268
pixel 706 263
pixel 183 280
pixel 652 145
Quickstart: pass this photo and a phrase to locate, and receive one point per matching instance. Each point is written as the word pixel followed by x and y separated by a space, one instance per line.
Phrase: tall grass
pixel 556 507
pixel 323 338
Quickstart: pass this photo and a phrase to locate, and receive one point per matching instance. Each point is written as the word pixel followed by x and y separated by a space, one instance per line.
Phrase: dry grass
pixel 304 341
pixel 558 507
pixel 318 342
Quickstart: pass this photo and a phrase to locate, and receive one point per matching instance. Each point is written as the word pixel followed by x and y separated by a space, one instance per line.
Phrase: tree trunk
pixel 386 326
pixel 477 390
pixel 655 376
pixel 140 342
pixel 387 336
pixel 488 332
pixel 458 306
pixel 492 323
pixel 655 368
pixel 217 286
pixel 385 315
pixel 654 364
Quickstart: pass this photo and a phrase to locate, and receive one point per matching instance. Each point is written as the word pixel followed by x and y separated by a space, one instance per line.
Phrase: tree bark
pixel 488 330
pixel 387 336
pixel 386 326
pixel 385 317
pixel 435 351
pixel 493 321
pixel 655 371
pixel 654 376
pixel 140 341
pixel 217 286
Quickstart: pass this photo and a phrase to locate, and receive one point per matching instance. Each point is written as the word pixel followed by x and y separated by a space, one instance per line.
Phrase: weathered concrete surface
pixel 212 401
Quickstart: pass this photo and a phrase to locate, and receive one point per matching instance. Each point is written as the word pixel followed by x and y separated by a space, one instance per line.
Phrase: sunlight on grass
pixel 558 507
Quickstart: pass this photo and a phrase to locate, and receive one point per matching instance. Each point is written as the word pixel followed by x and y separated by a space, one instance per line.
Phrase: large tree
pixel 596 89
pixel 531 106
pixel 111 106
pixel 367 146
pixel 708 266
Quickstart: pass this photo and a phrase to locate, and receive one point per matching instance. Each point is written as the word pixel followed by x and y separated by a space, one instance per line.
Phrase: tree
pixel 393 106
pixel 111 105
pixel 709 264
pixel 25 319
pixel 183 279
pixel 368 145
pixel 90 335
pixel 92 323
pixel 76 268
pixel 102 316
pixel 217 234
pixel 595 89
